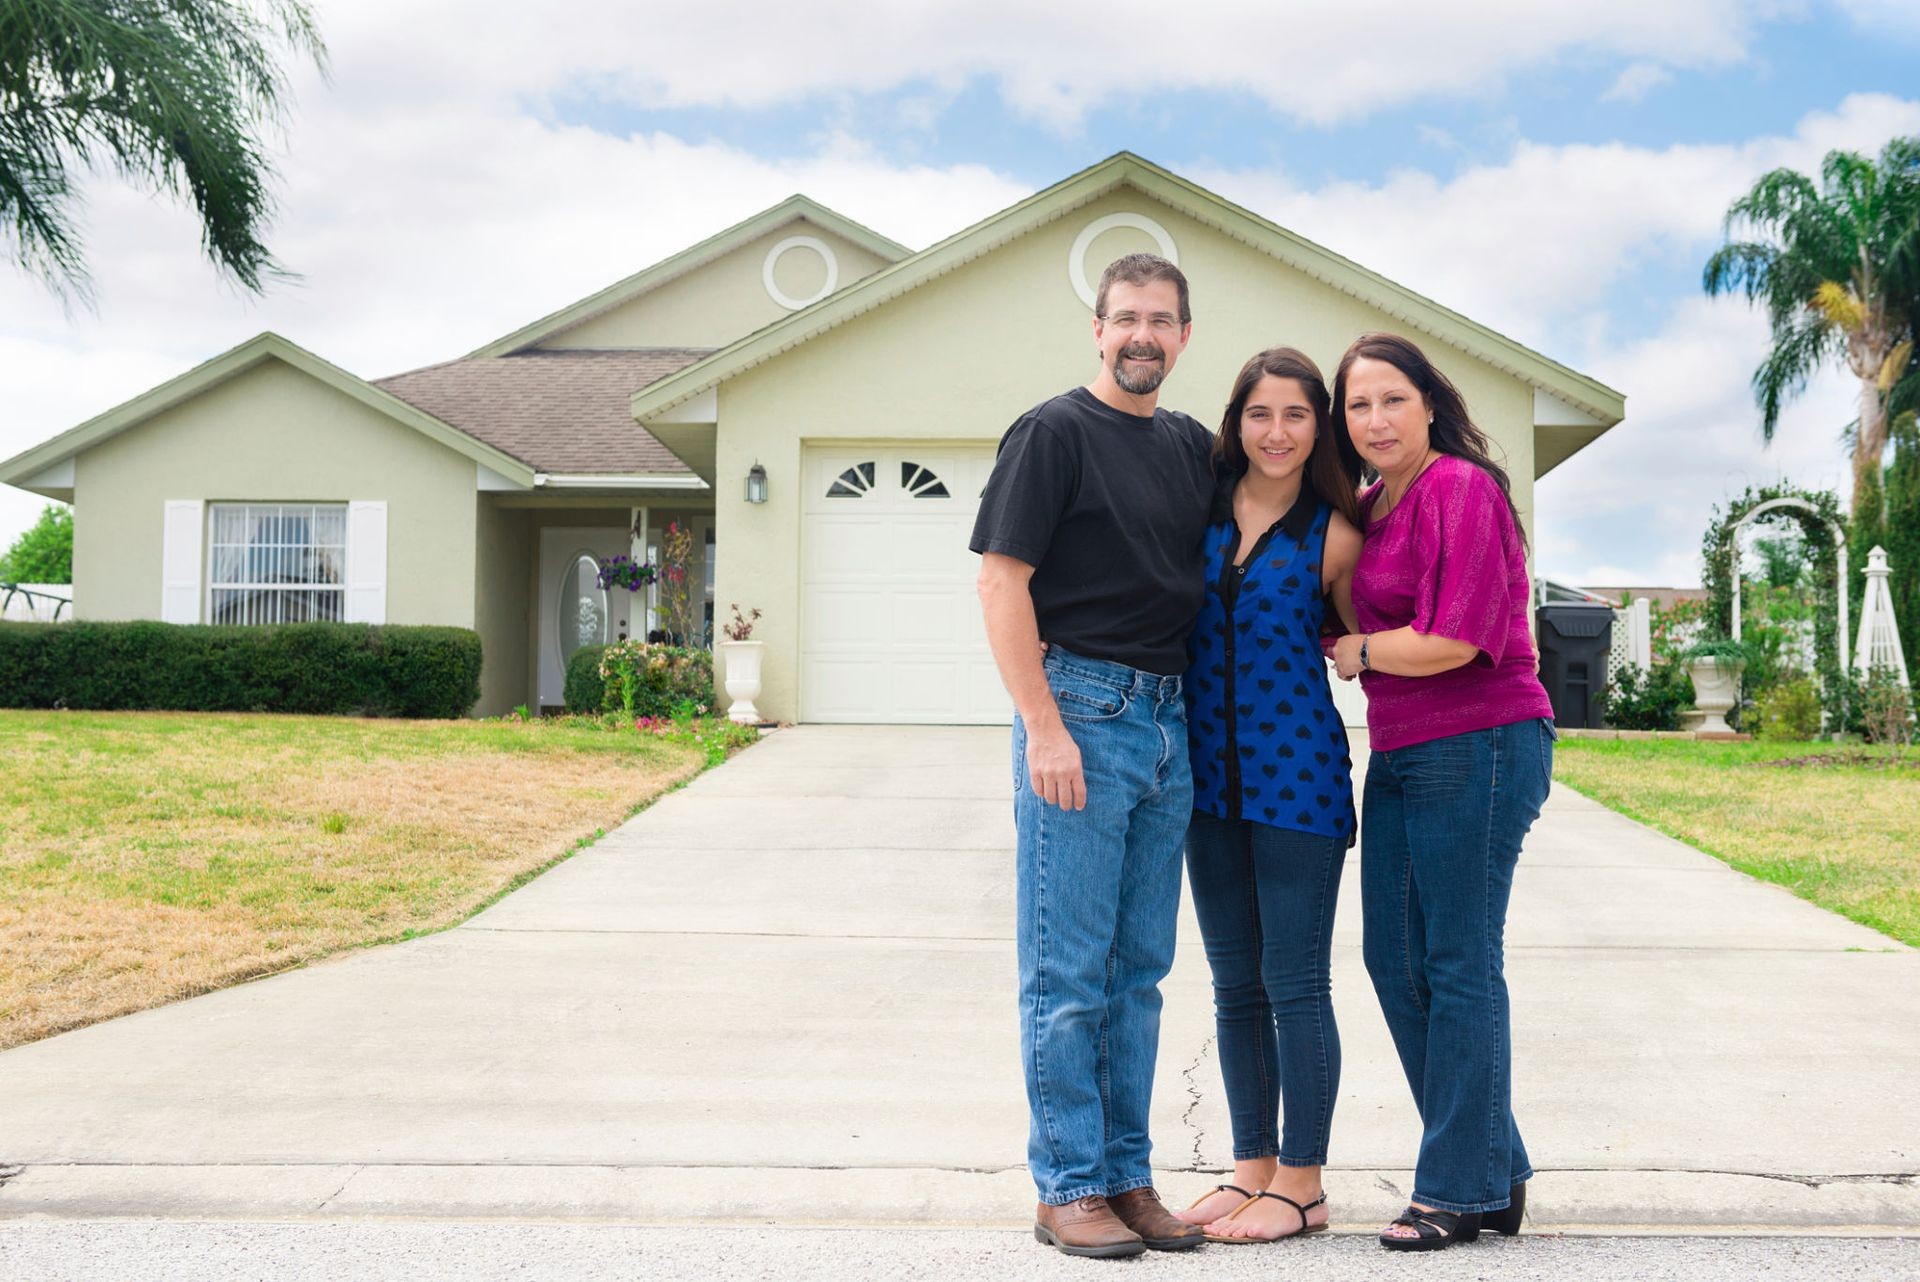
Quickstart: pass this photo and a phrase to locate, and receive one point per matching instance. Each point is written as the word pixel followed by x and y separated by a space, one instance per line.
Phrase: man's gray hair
pixel 1142 269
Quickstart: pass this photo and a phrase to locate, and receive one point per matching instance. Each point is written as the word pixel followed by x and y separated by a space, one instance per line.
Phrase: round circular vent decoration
pixel 1077 256
pixel 819 247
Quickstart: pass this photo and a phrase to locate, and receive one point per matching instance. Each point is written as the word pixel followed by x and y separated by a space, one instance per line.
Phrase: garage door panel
pixel 928 619
pixel 856 618
pixel 987 696
pixel 841 547
pixel 843 690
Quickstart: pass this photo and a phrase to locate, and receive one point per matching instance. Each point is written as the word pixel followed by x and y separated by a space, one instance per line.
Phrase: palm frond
pixel 174 95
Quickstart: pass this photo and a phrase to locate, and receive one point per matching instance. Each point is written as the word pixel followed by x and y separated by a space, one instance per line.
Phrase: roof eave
pixel 230 364
pixel 1196 202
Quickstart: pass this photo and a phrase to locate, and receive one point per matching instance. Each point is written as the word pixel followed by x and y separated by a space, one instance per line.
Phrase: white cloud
pixel 1531 245
pixel 430 210
pixel 1881 18
pixel 1636 82
pixel 1632 507
pixel 1310 60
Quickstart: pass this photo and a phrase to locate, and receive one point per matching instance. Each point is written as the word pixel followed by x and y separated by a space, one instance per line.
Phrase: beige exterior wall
pixel 725 300
pixel 961 357
pixel 502 607
pixel 273 434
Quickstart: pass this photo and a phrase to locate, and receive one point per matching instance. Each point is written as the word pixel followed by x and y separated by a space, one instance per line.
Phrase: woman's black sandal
pixel 1433 1229
pixel 1506 1222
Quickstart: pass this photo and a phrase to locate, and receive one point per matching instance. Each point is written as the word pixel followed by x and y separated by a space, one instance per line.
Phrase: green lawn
pixel 145 857
pixel 1843 832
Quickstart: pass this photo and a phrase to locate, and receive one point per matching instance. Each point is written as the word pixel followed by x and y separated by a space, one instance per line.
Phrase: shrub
pixel 586 691
pixel 1886 711
pixel 1790 710
pixel 1639 699
pixel 1877 708
pixel 339 668
pixel 649 680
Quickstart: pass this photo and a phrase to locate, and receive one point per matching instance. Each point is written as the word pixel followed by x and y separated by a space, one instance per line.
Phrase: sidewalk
pixel 785 993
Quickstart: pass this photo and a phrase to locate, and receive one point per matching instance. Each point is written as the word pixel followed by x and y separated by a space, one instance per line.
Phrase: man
pixel 1090 533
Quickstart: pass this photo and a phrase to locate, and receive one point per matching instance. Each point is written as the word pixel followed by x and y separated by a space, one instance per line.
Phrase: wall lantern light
pixel 756 483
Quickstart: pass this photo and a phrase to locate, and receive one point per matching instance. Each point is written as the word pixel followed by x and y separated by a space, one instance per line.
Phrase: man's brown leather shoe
pixel 1085 1227
pixel 1142 1211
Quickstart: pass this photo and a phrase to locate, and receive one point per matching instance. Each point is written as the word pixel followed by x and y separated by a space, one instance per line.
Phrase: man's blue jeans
pixel 1440 833
pixel 1098 897
pixel 1265 897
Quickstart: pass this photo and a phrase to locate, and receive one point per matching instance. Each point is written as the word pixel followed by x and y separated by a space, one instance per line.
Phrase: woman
pixel 1273 793
pixel 1462 750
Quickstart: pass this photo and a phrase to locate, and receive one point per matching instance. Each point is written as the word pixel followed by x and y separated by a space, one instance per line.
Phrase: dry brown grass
pixel 146 857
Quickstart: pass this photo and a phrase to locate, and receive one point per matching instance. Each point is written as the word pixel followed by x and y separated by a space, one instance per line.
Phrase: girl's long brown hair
pixel 1333 467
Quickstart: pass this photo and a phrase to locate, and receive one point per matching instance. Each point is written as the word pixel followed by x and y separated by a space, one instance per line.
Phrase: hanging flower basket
pixel 625 572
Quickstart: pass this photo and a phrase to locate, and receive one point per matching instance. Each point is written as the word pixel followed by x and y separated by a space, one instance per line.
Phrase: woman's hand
pixel 1346 656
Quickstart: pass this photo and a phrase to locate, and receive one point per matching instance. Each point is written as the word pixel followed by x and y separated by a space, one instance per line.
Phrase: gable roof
pixel 232 363
pixel 557 411
pixel 1125 168
pixel 792 209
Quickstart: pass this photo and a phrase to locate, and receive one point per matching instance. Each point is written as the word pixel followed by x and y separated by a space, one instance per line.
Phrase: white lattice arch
pixel 1839 552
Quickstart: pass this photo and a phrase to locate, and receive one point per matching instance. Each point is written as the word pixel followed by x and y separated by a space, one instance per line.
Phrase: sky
pixel 1558 172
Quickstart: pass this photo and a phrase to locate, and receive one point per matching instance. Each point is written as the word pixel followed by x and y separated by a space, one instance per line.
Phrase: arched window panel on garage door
pixel 854 483
pixel 921 482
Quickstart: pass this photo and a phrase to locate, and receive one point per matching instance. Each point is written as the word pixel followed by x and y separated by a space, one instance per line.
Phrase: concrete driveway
pixel 785 993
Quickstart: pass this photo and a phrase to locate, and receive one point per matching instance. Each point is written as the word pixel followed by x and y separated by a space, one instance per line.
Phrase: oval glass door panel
pixel 582 608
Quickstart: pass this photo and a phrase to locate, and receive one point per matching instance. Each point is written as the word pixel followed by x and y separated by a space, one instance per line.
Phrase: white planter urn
pixel 743 679
pixel 1716 688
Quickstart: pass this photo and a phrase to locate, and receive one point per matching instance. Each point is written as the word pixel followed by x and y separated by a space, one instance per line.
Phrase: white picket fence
pixel 36 602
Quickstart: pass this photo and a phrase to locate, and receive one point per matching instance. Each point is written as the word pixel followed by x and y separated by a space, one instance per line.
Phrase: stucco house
pixel 866 383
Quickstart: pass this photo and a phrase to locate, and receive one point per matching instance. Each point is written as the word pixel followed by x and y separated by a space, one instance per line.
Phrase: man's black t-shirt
pixel 1110 510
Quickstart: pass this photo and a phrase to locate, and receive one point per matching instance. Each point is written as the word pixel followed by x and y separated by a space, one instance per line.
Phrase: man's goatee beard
pixel 1139 384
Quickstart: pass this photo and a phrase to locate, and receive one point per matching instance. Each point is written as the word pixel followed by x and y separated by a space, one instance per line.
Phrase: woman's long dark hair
pixel 1333 466
pixel 1452 432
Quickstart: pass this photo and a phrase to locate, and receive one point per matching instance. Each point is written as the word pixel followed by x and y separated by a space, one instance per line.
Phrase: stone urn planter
pixel 743 679
pixel 1716 688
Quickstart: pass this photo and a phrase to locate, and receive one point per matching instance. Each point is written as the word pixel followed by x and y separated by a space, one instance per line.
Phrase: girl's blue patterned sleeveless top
pixel 1265 740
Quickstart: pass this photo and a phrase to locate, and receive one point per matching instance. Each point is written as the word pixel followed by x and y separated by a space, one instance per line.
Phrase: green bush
pixel 1639 699
pixel 1790 710
pixel 338 668
pixel 646 680
pixel 586 691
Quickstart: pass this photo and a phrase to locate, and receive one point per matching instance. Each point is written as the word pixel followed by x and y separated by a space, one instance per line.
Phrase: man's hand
pixel 1053 767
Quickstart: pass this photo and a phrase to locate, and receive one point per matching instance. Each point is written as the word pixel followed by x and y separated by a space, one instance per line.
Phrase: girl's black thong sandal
pixel 1304 1229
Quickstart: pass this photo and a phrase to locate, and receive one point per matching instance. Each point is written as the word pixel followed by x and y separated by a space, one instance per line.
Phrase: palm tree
pixel 1838 267
pixel 172 94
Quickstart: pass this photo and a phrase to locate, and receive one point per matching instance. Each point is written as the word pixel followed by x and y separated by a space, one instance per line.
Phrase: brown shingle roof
pixel 556 411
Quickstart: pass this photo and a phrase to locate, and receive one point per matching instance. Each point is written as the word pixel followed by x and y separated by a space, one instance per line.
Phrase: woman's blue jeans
pixel 1265 898
pixel 1097 902
pixel 1440 833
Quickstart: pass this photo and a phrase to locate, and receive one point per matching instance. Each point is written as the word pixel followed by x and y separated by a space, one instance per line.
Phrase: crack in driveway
pixel 1193 1104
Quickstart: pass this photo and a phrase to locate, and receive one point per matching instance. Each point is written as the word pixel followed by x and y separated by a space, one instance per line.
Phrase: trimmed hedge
pixel 340 668
pixel 586 689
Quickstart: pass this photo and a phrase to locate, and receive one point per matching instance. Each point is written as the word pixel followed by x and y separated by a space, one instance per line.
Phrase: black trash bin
pixel 1574 639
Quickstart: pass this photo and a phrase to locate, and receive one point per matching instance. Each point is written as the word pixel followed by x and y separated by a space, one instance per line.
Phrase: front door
pixel 574 610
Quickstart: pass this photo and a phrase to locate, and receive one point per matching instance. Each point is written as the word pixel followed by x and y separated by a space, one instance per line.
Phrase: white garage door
pixel 890 626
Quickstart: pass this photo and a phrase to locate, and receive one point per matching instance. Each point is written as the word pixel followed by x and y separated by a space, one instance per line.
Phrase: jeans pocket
pixel 1085 700
pixel 1549 735
pixel 1437 770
